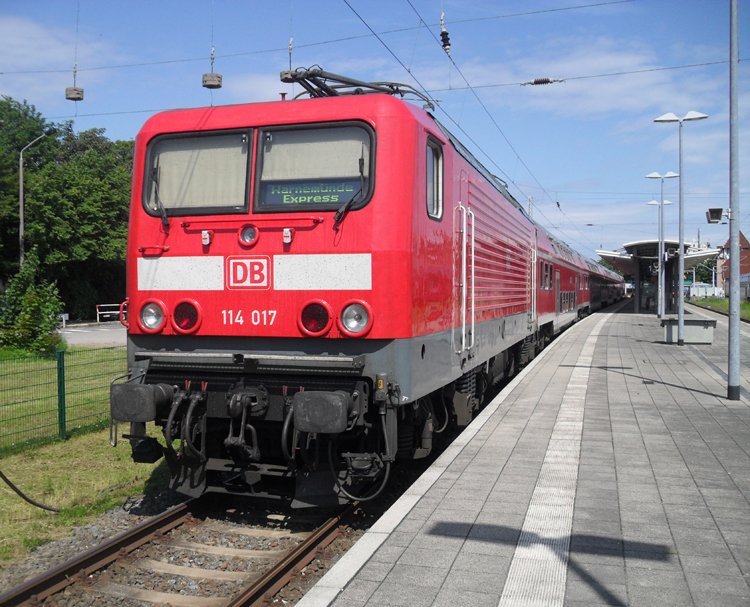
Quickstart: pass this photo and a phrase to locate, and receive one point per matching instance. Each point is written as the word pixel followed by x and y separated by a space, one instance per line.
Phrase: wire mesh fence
pixel 43 398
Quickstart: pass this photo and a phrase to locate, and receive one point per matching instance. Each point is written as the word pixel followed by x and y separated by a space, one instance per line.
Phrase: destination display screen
pixel 309 192
pixel 320 167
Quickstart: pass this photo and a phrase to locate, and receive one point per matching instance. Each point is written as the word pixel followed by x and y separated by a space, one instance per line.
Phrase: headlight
pixel 356 319
pixel 152 317
pixel 248 235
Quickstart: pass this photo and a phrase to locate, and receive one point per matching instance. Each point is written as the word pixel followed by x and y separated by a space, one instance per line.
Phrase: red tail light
pixel 186 317
pixel 315 319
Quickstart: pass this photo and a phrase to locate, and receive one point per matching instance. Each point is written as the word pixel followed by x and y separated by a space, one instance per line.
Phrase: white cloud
pixel 37 61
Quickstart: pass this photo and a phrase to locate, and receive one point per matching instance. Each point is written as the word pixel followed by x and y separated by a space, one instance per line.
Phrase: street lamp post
pixel 660 291
pixel 733 364
pixel 661 306
pixel 20 198
pixel 670 117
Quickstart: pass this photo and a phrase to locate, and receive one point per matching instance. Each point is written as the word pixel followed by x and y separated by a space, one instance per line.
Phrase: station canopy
pixel 625 259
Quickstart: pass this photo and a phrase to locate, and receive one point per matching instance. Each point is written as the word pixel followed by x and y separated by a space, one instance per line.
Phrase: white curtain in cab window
pixel 202 171
pixel 315 153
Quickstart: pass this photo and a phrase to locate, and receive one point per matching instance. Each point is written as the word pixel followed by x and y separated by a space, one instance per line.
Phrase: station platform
pixel 611 471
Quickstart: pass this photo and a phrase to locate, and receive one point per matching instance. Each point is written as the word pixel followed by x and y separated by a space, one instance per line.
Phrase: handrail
pixel 470 214
pixel 462 212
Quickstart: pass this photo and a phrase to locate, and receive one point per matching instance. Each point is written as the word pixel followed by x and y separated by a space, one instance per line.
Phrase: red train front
pixel 315 287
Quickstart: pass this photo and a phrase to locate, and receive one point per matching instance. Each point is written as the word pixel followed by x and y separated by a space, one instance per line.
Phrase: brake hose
pixel 386 473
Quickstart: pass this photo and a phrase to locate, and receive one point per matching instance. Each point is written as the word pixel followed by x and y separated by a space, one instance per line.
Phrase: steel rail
pixel 38 588
pixel 260 591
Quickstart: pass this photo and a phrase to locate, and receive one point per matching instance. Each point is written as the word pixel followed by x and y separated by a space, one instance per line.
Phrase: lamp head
pixel 672 117
pixel 691 115
pixel 668 117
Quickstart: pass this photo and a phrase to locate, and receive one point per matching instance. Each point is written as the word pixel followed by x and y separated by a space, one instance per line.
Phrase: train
pixel 321 286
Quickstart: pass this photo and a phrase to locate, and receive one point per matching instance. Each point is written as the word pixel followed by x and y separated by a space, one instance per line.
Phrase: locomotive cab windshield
pixel 326 167
pixel 198 174
pixel 321 168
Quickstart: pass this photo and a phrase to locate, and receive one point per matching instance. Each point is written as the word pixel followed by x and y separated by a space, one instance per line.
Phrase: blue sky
pixel 585 143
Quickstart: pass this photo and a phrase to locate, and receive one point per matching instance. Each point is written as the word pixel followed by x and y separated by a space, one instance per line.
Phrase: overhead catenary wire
pixel 502 134
pixel 75 93
pixel 75 44
pixel 291 32
pixel 432 91
pixel 212 80
pixel 464 88
pixel 590 76
pixel 318 43
pixel 582 240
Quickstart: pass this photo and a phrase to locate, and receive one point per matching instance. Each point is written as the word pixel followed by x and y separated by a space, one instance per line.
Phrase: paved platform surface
pixel 611 471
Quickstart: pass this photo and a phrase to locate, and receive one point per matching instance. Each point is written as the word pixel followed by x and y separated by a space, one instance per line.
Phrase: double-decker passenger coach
pixel 319 286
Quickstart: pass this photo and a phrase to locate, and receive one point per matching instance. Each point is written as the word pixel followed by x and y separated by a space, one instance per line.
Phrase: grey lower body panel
pixel 419 365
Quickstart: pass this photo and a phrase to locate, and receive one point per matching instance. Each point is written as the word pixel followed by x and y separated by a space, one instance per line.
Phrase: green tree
pixel 607 264
pixel 20 124
pixel 29 310
pixel 77 191
pixel 704 271
pixel 77 208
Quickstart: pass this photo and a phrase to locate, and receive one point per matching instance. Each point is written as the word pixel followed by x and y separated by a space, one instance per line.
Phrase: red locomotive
pixel 319 286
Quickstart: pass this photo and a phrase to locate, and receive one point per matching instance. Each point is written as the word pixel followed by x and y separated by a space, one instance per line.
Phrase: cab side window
pixel 434 176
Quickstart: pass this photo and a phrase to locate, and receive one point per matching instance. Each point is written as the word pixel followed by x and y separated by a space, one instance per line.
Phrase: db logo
pixel 248 273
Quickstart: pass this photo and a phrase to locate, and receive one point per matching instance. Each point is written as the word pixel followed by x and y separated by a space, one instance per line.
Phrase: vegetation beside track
pixel 45 398
pixel 721 305
pixel 82 476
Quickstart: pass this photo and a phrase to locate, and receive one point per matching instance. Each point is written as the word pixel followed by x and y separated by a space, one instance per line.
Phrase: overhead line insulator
pixel 446 41
pixel 540 81
pixel 444 37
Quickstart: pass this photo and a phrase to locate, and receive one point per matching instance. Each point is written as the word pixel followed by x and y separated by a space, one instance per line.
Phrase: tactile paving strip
pixel 538 569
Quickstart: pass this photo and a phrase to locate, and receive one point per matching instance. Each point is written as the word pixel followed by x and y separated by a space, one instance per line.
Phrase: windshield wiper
pixel 344 208
pixel 157 198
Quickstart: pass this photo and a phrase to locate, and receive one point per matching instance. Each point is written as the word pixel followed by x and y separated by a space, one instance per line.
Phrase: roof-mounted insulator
pixel 212 80
pixel 444 37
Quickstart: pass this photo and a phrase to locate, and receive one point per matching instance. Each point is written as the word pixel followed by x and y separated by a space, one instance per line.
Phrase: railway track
pixel 178 559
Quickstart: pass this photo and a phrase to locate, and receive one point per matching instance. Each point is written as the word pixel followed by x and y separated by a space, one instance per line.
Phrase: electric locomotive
pixel 317 287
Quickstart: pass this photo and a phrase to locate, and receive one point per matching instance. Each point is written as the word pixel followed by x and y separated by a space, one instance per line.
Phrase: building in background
pixel 722 267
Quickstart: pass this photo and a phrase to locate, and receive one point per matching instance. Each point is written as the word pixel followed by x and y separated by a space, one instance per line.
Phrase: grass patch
pixel 721 304
pixel 30 407
pixel 82 476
